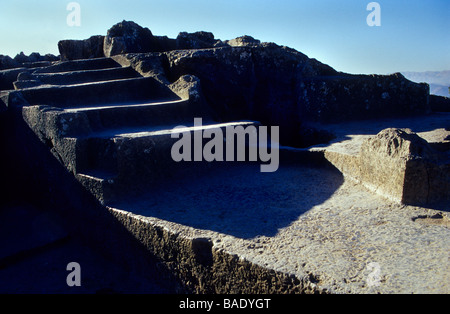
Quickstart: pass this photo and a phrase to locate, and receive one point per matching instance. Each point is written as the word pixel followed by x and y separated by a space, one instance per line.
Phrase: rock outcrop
pixel 21 60
pixel 128 37
pixel 10 68
pixel 440 103
pixel 281 86
pixel 396 163
pixel 34 57
pixel 197 40
pixel 243 41
pixel 243 78
pixel 81 49
pixel 6 62
pixel 402 166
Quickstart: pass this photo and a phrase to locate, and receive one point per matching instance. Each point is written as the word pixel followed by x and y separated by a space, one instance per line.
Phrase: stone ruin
pixel 401 166
pixel 104 112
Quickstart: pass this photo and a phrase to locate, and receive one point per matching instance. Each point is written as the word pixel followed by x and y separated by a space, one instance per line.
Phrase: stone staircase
pixel 108 125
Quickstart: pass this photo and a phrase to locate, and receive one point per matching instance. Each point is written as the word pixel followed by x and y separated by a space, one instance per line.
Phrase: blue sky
pixel 414 34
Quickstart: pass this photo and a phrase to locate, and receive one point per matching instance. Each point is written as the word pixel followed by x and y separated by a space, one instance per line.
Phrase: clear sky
pixel 414 34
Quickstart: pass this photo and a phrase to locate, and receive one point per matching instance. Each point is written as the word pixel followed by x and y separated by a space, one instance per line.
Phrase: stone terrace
pixel 93 137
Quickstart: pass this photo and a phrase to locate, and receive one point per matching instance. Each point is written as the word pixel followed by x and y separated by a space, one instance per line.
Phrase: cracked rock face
pixel 244 41
pixel 244 79
pixel 280 86
pixel 402 166
pixel 127 37
pixel 81 49
pixel 197 40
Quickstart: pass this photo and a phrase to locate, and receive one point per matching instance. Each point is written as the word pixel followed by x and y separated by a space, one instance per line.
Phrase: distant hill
pixel 439 81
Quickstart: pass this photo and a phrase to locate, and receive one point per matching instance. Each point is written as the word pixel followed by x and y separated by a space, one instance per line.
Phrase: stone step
pixel 79 65
pixel 38 64
pixel 112 164
pixel 132 90
pixel 75 77
pixel 26 84
pixel 99 184
pixel 77 131
pixel 117 116
pixel 8 77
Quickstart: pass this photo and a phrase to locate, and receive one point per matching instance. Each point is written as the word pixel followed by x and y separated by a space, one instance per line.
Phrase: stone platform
pixel 93 137
pixel 307 227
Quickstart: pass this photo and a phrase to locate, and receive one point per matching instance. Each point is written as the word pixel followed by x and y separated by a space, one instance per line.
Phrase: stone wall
pixel 243 78
pixel 280 86
pixel 81 49
pixel 439 103
pixel 403 167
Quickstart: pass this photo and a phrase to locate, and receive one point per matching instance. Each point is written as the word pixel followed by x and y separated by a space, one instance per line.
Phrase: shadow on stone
pixel 45 184
pixel 238 200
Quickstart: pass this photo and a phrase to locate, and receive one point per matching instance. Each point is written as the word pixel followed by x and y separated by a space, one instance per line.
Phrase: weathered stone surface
pixel 11 68
pixel 22 58
pixel 34 57
pixel 266 82
pixel 164 43
pixel 187 87
pixel 281 86
pixel 128 37
pixel 197 40
pixel 6 62
pixel 314 231
pixel 8 77
pixel 120 91
pixel 147 65
pixel 243 41
pixel 352 97
pixel 402 166
pixel 27 79
pixel 440 103
pixel 79 65
pixel 81 49
pixel 263 81
pixel 242 83
pixel 190 87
